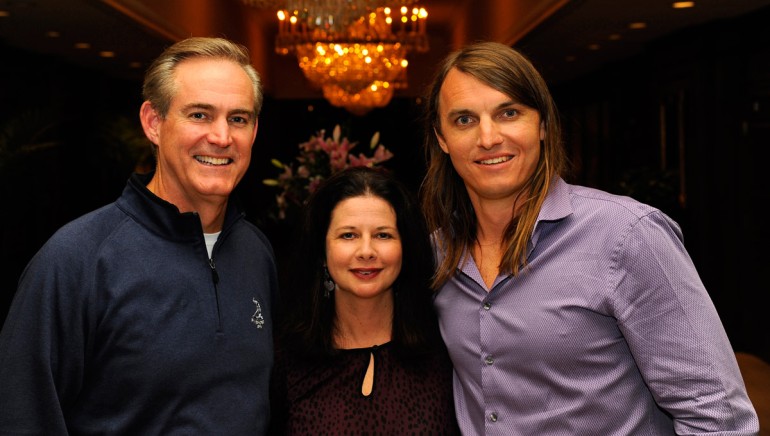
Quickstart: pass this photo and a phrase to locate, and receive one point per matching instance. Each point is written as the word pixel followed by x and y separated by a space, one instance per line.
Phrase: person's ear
pixel 150 122
pixel 441 141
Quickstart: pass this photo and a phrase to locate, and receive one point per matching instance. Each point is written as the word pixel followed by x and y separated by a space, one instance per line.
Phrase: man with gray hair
pixel 152 315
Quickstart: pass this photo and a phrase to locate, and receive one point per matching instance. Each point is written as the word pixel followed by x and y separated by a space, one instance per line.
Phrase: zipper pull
pixel 214 274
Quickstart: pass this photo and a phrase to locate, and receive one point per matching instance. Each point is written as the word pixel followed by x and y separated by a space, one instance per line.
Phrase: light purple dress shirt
pixel 607 331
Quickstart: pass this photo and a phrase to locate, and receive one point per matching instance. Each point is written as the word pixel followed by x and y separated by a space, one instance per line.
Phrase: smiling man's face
pixel 205 140
pixel 492 140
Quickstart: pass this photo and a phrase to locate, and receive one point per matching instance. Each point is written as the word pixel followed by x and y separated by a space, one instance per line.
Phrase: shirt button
pixel 493 417
pixel 487 306
pixel 489 360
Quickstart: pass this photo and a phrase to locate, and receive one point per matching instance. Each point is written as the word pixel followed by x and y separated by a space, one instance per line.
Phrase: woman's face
pixel 363 247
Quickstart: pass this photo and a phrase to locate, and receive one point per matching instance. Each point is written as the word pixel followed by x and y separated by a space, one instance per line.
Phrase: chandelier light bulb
pixel 351 49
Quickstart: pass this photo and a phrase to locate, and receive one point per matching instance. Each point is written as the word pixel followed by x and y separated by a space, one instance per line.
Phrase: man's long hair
pixel 445 201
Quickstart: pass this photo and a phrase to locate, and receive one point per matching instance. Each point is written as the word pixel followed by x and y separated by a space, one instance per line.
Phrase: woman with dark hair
pixel 359 348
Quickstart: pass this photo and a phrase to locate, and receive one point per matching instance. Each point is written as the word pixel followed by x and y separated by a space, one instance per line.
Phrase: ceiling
pixel 564 38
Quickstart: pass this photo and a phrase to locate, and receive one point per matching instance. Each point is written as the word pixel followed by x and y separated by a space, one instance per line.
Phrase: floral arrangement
pixel 319 158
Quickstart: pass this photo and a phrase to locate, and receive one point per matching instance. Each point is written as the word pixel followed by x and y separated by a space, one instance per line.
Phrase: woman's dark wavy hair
pixel 308 319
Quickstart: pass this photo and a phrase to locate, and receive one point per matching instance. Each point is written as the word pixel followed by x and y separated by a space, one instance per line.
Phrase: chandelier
pixel 353 50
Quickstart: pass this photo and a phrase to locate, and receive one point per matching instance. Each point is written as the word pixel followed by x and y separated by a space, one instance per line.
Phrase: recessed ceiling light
pixel 107 54
pixel 683 5
pixel 52 34
pixel 594 47
pixel 5 14
pixel 615 37
pixel 637 25
pixel 82 45
pixel 135 64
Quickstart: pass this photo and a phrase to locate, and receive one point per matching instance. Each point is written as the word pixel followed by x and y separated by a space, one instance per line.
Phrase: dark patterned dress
pixel 324 397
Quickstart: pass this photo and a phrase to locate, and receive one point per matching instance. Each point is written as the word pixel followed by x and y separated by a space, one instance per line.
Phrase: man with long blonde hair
pixel 566 310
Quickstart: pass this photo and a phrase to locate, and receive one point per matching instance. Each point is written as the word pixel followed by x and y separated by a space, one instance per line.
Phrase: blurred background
pixel 670 105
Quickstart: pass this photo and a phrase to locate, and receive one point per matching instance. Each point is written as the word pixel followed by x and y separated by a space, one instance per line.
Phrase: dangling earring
pixel 329 284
